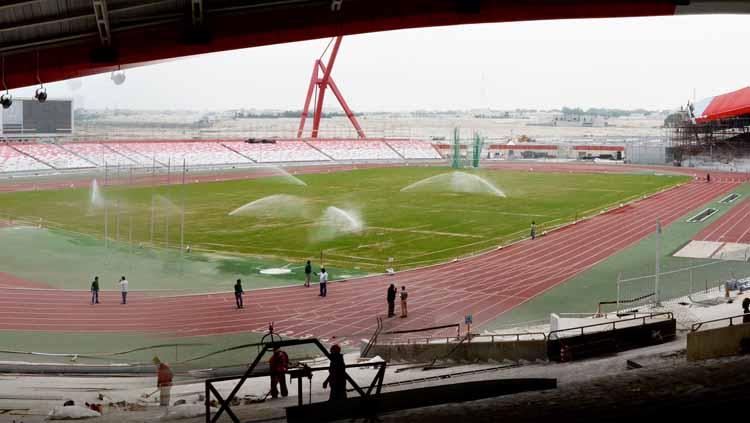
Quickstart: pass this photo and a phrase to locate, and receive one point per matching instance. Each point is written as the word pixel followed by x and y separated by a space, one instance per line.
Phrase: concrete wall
pixel 719 342
pixel 646 154
pixel 529 350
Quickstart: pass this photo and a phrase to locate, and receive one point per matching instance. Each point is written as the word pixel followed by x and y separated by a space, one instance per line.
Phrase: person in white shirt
pixel 323 282
pixel 124 289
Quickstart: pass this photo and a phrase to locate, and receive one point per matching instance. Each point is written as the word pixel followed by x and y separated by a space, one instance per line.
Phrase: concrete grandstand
pixel 49 157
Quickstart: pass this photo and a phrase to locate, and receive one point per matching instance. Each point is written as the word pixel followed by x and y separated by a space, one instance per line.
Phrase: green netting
pixel 456 161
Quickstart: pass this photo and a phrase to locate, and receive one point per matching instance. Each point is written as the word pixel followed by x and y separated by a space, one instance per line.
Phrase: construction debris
pixel 71 412
pixel 633 365
pixel 184 411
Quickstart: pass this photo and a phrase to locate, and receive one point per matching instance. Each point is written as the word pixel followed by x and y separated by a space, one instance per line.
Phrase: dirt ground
pixel 681 390
pixel 590 390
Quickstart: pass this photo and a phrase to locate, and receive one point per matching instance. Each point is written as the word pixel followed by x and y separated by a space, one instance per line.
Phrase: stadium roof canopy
pixel 62 39
pixel 725 106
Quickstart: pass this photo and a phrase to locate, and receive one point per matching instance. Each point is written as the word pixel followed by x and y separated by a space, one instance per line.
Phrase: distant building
pixel 573 120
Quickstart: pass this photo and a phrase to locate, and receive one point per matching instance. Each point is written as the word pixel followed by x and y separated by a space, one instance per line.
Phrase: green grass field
pixel 416 228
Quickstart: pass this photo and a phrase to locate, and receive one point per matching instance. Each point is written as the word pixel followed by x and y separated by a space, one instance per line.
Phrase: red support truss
pixel 322 84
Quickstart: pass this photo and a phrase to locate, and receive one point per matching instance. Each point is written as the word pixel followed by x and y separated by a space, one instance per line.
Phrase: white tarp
pixel 699 249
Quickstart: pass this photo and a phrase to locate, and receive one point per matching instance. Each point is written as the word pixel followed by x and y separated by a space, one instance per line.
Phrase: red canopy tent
pixel 735 103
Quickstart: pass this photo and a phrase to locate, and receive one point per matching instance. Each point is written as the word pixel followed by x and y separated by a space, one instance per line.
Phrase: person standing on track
pixel 278 363
pixel 164 377
pixel 533 229
pixel 404 296
pixel 238 294
pixel 308 271
pixel 323 282
pixel 95 290
pixel 124 289
pixel 392 291
pixel 708 177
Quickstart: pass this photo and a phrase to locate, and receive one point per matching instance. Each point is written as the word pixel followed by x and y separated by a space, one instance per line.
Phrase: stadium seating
pixel 356 149
pixel 99 154
pixel 282 151
pixel 81 155
pixel 13 161
pixel 194 153
pixel 410 149
pixel 54 156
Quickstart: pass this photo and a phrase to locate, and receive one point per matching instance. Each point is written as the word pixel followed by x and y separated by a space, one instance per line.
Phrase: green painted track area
pixel 637 265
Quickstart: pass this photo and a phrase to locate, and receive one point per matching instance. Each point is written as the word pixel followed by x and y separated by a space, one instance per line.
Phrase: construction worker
pixel 404 296
pixel 391 299
pixel 163 381
pixel 323 282
pixel 278 364
pixel 238 294
pixel 95 290
pixel 336 374
pixel 308 271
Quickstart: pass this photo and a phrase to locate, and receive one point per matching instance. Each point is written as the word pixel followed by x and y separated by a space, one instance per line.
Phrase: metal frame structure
pixel 691 138
pixel 143 31
pixel 225 403
pixel 320 84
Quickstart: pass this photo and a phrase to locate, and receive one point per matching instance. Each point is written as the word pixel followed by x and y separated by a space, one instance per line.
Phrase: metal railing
pixel 612 323
pixel 517 336
pixel 225 404
pixel 698 325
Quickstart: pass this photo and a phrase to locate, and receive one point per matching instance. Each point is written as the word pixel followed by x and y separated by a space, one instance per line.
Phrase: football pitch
pixel 359 220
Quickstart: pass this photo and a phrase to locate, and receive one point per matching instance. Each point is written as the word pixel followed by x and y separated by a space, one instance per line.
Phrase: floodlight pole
pixel 182 211
pixel 166 212
pixel 153 194
pixel 106 224
pixel 657 303
pixel 619 281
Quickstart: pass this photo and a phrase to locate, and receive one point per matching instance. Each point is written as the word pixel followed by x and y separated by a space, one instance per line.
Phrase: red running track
pixel 486 285
pixel 734 226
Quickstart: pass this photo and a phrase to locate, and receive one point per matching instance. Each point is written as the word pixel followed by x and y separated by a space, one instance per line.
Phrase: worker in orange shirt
pixel 163 381
pixel 278 363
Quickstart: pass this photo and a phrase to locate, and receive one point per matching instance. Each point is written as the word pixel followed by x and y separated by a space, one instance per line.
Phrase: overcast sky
pixel 653 63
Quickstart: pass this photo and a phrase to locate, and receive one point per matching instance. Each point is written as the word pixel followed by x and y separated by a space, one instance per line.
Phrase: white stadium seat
pixel 281 151
pixel 55 156
pixel 411 149
pixel 194 153
pixel 13 161
pixel 356 149
pixel 99 154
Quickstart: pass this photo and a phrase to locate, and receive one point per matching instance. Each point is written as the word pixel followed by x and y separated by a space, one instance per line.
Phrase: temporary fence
pixel 673 285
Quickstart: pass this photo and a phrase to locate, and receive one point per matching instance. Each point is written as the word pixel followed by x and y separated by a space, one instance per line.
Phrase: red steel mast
pixel 323 83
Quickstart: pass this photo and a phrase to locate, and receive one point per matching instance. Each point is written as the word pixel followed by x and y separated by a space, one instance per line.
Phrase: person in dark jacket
pixel 278 365
pixel 308 271
pixel 746 310
pixel 238 294
pixel 336 375
pixel 392 291
pixel 95 290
